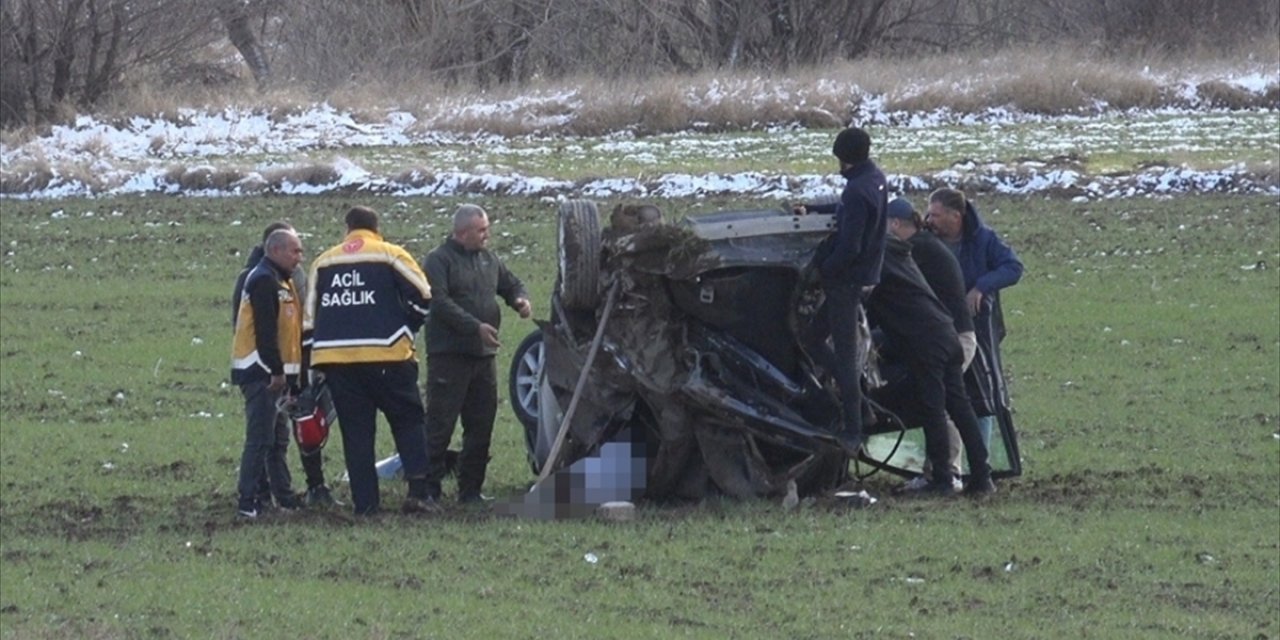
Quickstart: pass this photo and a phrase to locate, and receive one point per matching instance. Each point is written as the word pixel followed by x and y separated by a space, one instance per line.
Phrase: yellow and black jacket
pixel 367 299
pixel 268 336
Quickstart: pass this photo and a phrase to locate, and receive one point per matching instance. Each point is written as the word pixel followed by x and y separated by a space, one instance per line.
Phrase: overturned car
pixel 674 366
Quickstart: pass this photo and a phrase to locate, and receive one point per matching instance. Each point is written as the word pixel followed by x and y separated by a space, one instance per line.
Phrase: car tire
pixel 578 250
pixel 523 381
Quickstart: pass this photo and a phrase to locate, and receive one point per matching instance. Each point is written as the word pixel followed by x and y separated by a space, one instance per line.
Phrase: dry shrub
pixel 26 177
pixel 225 178
pixel 1119 89
pixel 663 105
pixel 82 172
pixel 18 136
pixel 1041 93
pixel 313 174
pixel 415 178
pixel 190 178
pixel 96 146
pixel 366 102
pixel 1271 97
pixel 1220 95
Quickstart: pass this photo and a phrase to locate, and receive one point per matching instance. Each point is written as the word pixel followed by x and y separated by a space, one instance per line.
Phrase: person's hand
pixel 524 308
pixel 489 335
pixel 974 300
pixel 799 209
pixel 276 384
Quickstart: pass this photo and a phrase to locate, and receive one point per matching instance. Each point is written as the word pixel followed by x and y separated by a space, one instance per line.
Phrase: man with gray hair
pixel 266 362
pixel 462 339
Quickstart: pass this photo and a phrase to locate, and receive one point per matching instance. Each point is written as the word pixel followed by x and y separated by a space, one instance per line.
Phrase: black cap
pixel 852 146
pixel 900 208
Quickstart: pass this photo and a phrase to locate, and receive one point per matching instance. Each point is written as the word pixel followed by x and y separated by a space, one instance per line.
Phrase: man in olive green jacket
pixel 462 339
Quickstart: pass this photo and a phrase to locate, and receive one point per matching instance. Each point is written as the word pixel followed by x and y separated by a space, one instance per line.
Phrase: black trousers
pixel 467 387
pixel 359 392
pixel 312 467
pixel 937 366
pixel 839 318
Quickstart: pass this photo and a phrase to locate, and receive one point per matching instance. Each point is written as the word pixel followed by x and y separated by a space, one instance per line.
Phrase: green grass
pixel 1144 363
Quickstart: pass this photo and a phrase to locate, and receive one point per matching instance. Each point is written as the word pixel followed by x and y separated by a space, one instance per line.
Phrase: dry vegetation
pixel 657 66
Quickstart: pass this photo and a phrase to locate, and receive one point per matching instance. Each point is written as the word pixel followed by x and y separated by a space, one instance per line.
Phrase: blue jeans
pixel 266 440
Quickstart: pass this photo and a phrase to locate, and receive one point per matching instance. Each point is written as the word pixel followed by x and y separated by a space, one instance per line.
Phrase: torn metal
pixel 702 374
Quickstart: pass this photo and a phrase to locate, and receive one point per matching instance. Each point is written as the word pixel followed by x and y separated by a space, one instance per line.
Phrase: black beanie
pixel 852 146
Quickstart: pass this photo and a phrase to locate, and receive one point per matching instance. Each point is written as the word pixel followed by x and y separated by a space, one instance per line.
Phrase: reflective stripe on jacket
pixel 366 301
pixel 261 347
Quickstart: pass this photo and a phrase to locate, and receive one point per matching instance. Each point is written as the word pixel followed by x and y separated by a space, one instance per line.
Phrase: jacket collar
pixel 457 246
pixel 281 274
pixel 862 168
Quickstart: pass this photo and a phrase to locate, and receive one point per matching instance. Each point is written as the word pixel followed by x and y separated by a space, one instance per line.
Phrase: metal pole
pixel 582 382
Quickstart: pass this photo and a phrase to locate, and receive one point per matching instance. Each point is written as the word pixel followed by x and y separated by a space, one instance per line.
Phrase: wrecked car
pixel 673 365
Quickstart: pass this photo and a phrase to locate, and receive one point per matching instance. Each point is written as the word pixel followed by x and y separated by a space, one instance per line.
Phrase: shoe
pixel 420 505
pixel 980 487
pixel 247 509
pixel 475 498
pixel 931 489
pixel 288 502
pixel 913 485
pixel 921 483
pixel 320 496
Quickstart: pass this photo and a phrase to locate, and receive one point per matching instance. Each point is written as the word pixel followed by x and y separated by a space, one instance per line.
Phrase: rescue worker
pixel 318 493
pixel 368 298
pixel 266 361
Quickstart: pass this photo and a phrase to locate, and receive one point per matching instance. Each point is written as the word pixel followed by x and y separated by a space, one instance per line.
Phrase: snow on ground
pixel 259 152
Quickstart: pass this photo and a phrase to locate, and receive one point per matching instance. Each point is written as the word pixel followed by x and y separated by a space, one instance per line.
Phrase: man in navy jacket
pixel 988 264
pixel 848 266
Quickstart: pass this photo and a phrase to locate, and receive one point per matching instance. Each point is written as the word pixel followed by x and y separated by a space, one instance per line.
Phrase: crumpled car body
pixel 683 346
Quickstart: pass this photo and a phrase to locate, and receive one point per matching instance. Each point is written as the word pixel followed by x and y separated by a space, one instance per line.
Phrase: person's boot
pixel 980 487
pixel 420 499
pixel 942 485
pixel 320 496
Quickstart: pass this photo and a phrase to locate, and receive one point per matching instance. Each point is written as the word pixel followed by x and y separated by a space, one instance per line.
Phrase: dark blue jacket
pixel 855 252
pixel 986 261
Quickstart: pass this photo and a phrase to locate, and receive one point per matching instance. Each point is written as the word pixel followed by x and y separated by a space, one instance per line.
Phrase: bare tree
pixel 76 52
pixel 236 18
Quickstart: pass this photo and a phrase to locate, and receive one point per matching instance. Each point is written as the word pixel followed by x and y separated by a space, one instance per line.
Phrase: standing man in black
pixel 942 273
pixel 368 299
pixel 848 265
pixel 921 333
pixel 462 339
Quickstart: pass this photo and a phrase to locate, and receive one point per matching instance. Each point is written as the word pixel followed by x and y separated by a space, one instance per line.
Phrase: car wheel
pixel 523 381
pixel 578 250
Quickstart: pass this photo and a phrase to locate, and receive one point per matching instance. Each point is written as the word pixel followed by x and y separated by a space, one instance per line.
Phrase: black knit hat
pixel 852 145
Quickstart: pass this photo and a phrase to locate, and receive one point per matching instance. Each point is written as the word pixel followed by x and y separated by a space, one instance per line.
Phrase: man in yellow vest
pixel 367 299
pixel 266 361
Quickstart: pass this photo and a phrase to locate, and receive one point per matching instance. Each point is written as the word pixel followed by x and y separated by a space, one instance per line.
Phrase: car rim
pixel 527 371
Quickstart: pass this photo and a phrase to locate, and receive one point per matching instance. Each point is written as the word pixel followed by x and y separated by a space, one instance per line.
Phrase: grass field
pixel 1144 359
